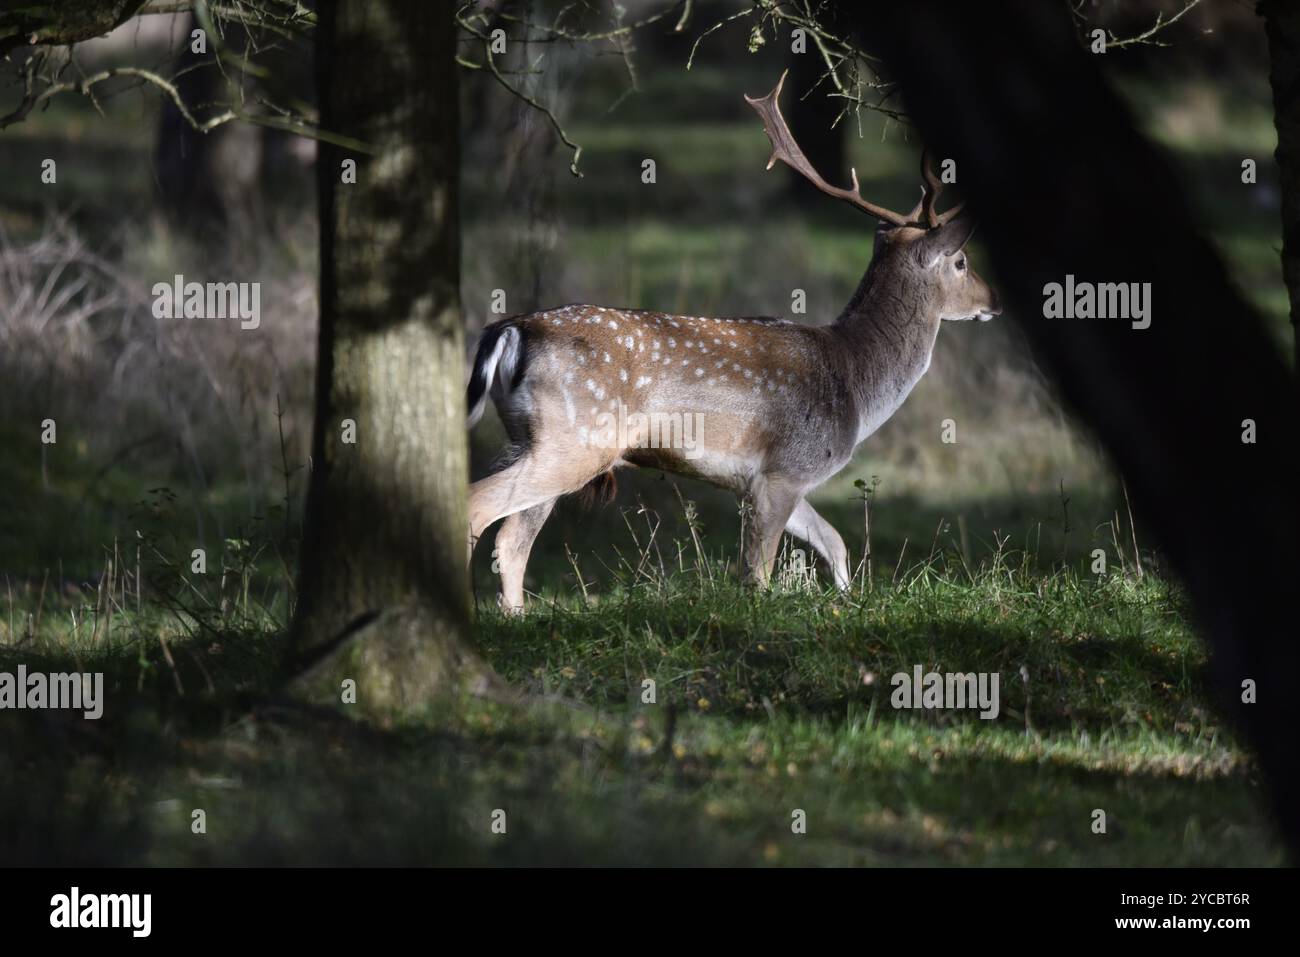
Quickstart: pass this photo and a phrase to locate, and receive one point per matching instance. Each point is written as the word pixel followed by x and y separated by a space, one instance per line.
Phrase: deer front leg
pixel 513 545
pixel 806 524
pixel 773 502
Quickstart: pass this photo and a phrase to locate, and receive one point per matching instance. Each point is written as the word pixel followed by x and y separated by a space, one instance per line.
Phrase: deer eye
pixel 961 264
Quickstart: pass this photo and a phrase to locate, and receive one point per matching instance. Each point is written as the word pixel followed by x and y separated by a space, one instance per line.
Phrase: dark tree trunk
pixel 60 22
pixel 1282 25
pixel 1062 182
pixel 384 594
pixel 813 123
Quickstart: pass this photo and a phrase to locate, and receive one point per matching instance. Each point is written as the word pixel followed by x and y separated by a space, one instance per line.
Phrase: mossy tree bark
pixel 60 22
pixel 384 595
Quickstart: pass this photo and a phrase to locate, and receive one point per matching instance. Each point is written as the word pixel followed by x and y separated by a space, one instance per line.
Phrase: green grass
pixel 764 704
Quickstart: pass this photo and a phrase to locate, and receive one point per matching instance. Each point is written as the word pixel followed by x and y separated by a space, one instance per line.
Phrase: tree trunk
pixel 208 180
pixel 1062 182
pixel 384 593
pixel 813 123
pixel 60 22
pixel 1282 25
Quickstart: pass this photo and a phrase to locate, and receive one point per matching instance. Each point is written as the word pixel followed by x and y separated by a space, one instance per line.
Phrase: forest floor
pixel 670 716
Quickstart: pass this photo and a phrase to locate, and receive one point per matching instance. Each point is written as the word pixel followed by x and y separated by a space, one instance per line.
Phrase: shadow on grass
pixel 294 786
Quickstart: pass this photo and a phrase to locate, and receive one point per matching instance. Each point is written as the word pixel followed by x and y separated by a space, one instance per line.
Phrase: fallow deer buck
pixel 782 406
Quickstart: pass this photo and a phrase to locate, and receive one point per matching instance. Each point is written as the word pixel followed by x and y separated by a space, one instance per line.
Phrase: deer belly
pixel 734 473
pixel 719 446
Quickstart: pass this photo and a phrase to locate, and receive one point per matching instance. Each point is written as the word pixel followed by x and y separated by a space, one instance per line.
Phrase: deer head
pixel 922 251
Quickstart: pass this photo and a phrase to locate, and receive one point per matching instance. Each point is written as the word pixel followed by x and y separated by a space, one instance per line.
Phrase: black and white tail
pixel 497 358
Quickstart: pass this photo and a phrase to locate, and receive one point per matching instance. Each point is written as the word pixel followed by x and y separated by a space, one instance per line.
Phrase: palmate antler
pixel 785 149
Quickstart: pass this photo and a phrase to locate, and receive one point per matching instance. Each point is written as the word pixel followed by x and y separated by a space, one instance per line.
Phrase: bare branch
pixel 85 85
pixel 1149 36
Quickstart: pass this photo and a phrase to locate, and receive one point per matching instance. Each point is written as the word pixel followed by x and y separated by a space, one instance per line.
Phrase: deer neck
pixel 887 334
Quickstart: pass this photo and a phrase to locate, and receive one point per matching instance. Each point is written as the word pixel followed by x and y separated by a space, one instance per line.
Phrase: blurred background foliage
pixel 186 405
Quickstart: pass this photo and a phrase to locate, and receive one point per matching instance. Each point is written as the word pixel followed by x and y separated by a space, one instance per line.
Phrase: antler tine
pixel 785 149
pixel 930 191
pixel 952 213
pixel 915 215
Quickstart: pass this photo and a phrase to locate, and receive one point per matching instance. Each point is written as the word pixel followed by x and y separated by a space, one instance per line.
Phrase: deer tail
pixel 498 357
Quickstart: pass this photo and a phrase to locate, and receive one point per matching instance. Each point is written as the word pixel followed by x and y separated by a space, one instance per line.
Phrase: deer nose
pixel 995 307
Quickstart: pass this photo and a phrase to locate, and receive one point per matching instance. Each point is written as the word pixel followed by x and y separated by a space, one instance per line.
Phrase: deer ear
pixel 948 238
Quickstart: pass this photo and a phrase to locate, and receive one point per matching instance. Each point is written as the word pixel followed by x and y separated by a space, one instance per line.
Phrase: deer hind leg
pixel 514 543
pixel 773 503
pixel 806 524
pixel 513 489
pixel 526 484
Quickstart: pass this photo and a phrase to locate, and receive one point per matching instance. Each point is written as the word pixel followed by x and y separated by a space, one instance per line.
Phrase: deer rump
pixel 499 366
